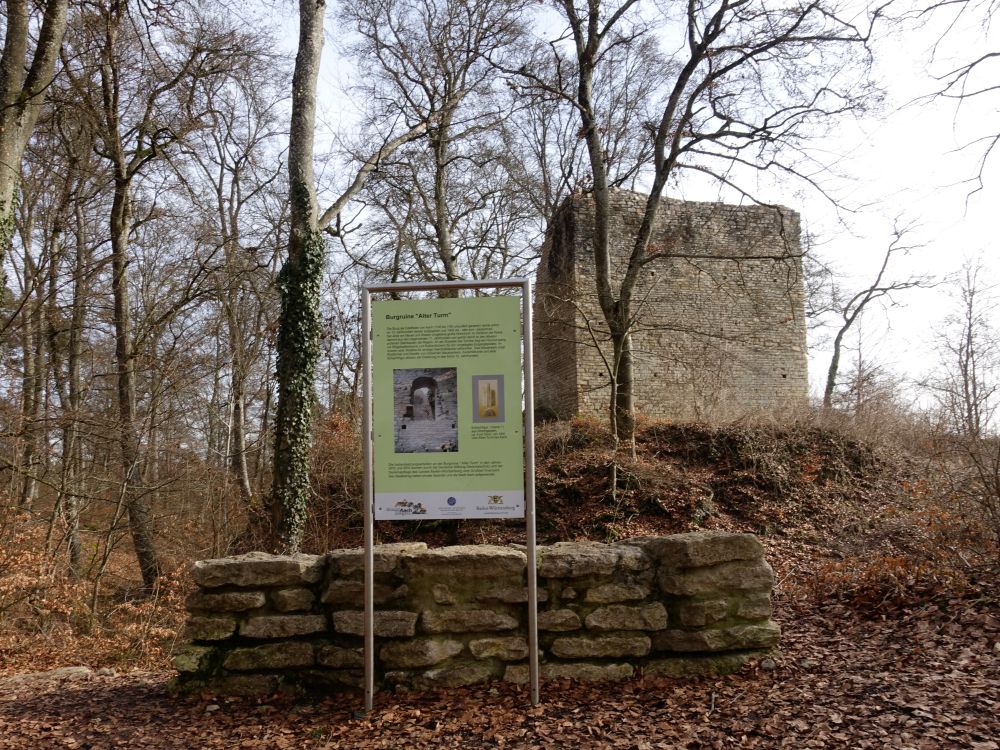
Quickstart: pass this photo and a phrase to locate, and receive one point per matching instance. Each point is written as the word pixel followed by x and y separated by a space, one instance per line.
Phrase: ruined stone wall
pixel 430 424
pixel 720 326
pixel 681 605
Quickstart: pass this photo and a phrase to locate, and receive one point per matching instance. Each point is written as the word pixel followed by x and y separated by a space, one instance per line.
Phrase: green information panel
pixel 446 403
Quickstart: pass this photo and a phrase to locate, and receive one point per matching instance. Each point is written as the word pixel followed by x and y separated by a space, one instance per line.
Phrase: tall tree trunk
pixel 833 369
pixel 622 404
pixel 31 357
pixel 298 346
pixel 216 436
pixel 72 450
pixel 54 330
pixel 139 517
pixel 238 448
pixel 299 284
pixel 236 439
pixel 261 457
pixel 616 315
pixel 23 84
pixel 152 460
pixel 30 404
pixel 442 223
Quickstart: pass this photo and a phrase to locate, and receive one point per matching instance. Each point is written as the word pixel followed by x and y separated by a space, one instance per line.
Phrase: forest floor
pixel 888 595
pixel 919 680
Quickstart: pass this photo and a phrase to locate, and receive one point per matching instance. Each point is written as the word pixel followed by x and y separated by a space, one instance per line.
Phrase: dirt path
pixel 922 681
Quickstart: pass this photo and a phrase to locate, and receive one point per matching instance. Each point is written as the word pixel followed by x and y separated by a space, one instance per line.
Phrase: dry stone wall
pixel 680 605
pixel 720 328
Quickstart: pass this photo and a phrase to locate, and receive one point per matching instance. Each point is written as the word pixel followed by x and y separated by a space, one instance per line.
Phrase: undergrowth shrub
pixel 337 476
pixel 50 618
pixel 876 584
pixel 142 632
pixel 970 467
pixel 34 595
pixel 20 568
pixel 588 432
pixel 927 555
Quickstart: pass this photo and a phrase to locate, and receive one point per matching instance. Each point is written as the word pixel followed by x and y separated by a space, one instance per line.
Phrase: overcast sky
pixel 906 166
pixel 915 163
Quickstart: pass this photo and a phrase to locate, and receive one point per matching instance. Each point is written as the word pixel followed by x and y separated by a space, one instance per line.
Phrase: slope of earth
pixel 805 489
pixel 887 592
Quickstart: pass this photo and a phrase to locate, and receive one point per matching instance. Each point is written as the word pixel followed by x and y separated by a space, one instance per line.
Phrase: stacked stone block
pixel 720 324
pixel 688 604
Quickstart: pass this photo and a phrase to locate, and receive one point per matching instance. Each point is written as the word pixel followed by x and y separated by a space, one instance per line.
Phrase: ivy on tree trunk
pixel 298 352
pixel 299 284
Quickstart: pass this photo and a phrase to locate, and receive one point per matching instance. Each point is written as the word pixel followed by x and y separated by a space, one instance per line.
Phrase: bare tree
pixel 138 78
pixel 869 388
pixel 881 289
pixel 445 204
pixel 24 79
pixel 553 154
pixel 299 282
pixel 63 163
pixel 36 257
pixel 972 82
pixel 229 171
pixel 966 388
pixel 746 86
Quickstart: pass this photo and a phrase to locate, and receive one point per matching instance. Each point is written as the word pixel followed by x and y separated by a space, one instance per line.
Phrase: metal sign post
pixel 433 391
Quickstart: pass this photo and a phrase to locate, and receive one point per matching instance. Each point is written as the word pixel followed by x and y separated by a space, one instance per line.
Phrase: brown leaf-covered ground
pixel 926 679
pixel 888 596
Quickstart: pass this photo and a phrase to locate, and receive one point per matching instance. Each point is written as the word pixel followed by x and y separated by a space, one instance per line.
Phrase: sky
pixel 906 166
pixel 911 167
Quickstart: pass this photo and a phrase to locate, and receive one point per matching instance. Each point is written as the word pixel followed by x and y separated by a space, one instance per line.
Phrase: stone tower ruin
pixel 720 328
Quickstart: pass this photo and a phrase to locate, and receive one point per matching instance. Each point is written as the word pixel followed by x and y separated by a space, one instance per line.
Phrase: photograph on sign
pixel 448 436
pixel 426 405
pixel 487 393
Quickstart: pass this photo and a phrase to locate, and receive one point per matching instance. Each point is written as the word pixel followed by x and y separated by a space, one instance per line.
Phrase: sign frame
pixel 527 374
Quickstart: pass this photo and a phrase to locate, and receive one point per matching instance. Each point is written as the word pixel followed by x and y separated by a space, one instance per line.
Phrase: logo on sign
pixel 408 507
pixel 452 501
pixel 496 499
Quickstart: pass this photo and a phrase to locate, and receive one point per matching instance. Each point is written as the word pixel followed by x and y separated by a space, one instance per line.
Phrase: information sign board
pixel 448 427
pixel 448 421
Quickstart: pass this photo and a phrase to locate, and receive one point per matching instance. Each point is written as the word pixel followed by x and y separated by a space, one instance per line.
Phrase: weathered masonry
pixel 720 328
pixel 689 604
